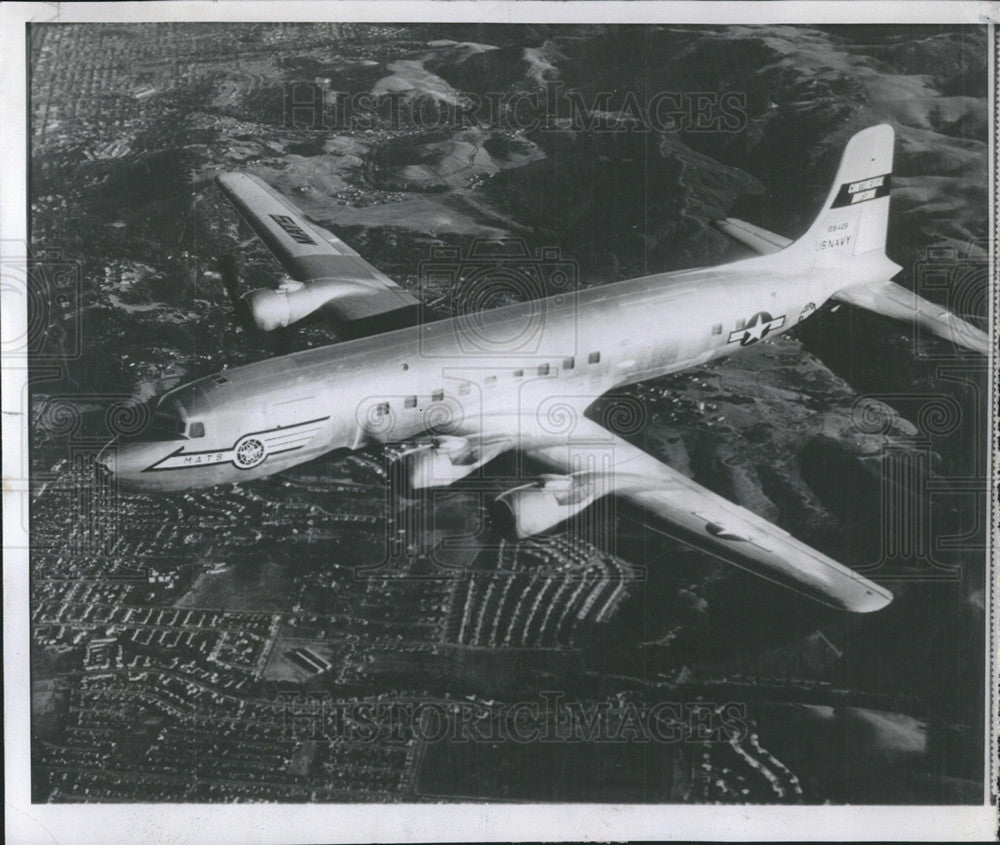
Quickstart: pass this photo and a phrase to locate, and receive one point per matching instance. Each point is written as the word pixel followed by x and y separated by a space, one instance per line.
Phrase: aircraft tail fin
pixel 855 217
pixel 853 224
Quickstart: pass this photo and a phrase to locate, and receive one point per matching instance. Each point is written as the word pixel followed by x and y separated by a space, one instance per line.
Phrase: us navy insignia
pixel 756 328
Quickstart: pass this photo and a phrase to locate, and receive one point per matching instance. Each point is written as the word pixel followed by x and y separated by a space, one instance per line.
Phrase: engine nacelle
pixel 537 507
pixel 445 461
pixel 293 301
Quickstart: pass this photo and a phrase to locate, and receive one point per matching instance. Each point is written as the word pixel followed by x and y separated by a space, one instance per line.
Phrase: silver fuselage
pixel 454 375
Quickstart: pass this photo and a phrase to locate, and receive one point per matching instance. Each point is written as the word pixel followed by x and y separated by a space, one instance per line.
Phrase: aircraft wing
pixel 334 276
pixel 759 240
pixel 708 521
pixel 893 300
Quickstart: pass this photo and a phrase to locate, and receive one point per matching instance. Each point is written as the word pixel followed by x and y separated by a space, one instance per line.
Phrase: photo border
pixel 27 822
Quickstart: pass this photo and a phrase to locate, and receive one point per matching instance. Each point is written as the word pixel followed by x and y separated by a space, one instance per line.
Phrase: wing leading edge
pixel 708 521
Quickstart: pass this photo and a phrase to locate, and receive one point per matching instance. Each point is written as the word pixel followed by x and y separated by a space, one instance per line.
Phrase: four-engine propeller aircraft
pixel 477 400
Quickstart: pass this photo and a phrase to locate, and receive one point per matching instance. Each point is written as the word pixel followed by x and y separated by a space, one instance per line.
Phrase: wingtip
pixel 874 598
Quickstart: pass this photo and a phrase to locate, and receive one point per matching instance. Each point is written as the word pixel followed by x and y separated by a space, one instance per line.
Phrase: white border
pixel 991 767
pixel 522 11
pixel 127 823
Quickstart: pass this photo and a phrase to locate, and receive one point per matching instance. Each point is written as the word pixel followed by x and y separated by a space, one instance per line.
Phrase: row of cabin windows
pixel 740 324
pixel 382 409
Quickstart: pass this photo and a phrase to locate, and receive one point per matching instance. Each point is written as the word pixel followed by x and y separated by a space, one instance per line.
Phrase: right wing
pixel 587 462
pixel 893 300
pixel 708 521
pixel 334 277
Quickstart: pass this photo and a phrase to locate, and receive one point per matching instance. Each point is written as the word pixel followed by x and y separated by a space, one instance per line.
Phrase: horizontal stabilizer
pixel 759 240
pixel 892 300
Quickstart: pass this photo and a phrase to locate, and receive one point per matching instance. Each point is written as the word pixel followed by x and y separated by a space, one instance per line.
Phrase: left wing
pixel 333 278
pixel 759 240
pixel 706 520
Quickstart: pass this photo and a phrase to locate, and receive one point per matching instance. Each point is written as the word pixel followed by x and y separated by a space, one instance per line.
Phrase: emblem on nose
pixel 249 452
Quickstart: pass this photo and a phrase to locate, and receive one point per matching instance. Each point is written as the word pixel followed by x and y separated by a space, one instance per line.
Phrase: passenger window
pixel 594 358
pixel 464 389
pixel 196 429
pixel 741 324
pixel 437 396
pixel 543 369
pixel 490 380
pixel 518 373
pixel 410 402
pixel 717 328
pixel 382 409
pixel 569 363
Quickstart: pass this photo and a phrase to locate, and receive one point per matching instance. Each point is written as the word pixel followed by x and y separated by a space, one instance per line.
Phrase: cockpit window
pixel 170 421
pixel 168 424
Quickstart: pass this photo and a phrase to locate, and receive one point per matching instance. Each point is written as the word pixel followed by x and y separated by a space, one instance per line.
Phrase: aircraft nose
pixel 122 462
pixel 106 462
pixel 126 464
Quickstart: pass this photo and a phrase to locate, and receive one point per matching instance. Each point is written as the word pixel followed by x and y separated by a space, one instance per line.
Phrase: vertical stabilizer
pixel 855 217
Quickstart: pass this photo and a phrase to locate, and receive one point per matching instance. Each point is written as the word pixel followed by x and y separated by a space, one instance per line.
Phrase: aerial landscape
pixel 325 635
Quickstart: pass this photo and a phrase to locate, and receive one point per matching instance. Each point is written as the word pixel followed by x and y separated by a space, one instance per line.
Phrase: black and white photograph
pixel 519 411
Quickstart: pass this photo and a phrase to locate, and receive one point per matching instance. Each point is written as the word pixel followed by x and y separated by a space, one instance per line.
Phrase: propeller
pixel 276 342
pixel 229 272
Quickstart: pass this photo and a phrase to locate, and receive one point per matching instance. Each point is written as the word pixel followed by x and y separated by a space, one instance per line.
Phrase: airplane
pixel 451 406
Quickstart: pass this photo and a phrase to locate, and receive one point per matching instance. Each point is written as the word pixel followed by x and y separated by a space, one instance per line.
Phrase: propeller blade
pixel 229 271
pixel 277 342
